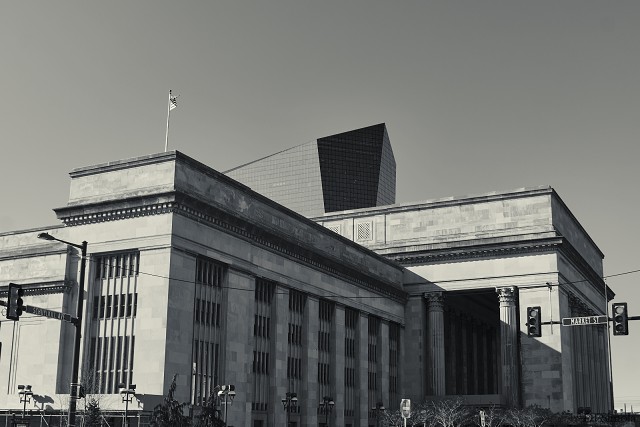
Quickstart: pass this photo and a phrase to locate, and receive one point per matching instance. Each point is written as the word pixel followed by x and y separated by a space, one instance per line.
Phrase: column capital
pixel 435 300
pixel 507 295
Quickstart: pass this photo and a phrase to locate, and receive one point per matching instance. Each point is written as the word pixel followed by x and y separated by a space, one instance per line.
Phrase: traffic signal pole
pixel 73 392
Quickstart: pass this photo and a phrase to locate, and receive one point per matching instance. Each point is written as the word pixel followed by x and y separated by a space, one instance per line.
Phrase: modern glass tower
pixel 350 170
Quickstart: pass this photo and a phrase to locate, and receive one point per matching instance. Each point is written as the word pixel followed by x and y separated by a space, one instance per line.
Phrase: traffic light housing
pixel 620 319
pixel 15 305
pixel 534 328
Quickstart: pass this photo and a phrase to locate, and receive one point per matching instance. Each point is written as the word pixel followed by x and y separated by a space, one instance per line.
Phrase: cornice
pixel 117 210
pixel 221 220
pixel 476 252
pixel 190 207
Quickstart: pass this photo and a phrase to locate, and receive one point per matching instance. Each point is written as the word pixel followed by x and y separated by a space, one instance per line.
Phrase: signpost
pixel 585 321
pixel 405 410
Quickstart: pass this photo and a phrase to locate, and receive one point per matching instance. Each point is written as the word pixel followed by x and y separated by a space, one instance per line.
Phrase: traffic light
pixel 15 304
pixel 620 319
pixel 533 322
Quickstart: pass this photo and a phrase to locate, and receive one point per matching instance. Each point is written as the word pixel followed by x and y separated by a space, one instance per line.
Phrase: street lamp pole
pixel 229 392
pixel 73 392
pixel 326 406
pixel 377 409
pixel 289 402
pixel 127 396
pixel 25 396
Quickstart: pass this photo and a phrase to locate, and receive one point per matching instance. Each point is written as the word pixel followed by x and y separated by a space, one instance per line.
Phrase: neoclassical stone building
pixel 483 260
pixel 192 273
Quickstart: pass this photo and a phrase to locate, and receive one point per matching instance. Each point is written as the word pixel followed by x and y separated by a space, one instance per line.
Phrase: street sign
pixel 49 313
pixel 405 408
pixel 584 321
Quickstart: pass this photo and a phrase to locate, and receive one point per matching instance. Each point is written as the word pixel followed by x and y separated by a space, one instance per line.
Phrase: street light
pixel 229 393
pixel 290 402
pixel 127 396
pixel 377 409
pixel 25 396
pixel 73 392
pixel 326 406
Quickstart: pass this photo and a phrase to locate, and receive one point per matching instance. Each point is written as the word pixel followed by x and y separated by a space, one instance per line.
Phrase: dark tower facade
pixel 350 170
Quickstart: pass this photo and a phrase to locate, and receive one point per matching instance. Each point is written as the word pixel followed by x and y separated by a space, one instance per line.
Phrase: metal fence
pixel 51 419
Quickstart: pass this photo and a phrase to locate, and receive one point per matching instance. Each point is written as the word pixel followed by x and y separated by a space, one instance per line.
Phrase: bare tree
pixel 450 412
pixel 531 416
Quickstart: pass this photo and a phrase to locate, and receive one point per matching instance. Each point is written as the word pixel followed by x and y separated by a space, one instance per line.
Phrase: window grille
pixel 207 328
pixel 111 337
pixel 297 302
pixel 351 323
pixel 364 231
pixel 263 298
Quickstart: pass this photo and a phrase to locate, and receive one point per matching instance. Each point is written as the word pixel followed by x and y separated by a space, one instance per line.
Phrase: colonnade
pixel 464 360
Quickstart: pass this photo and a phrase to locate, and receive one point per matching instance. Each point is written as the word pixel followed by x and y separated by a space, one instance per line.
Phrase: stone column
pixel 337 365
pixel 591 345
pixel 485 358
pixel 509 356
pixel 435 316
pixel 279 344
pixel 602 398
pixel 474 356
pixel 309 400
pixel 464 354
pixel 450 375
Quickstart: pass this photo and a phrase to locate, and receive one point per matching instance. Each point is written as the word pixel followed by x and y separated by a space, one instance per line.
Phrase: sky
pixel 477 96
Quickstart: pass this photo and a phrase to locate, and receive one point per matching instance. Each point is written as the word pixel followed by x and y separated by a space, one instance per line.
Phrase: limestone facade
pixel 488 258
pixel 192 274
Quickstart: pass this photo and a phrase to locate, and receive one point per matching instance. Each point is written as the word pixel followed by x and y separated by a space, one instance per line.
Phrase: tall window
pixel 372 351
pixel 262 333
pixel 351 323
pixel 297 303
pixel 111 344
pixel 324 347
pixel 207 323
pixel 394 364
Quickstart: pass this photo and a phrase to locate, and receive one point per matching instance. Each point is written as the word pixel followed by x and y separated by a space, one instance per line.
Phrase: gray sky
pixel 477 96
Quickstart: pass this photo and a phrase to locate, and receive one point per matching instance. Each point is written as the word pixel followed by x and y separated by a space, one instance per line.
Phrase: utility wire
pixel 546 285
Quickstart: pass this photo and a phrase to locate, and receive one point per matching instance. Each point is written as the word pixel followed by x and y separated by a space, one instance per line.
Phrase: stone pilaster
pixel 338 364
pixel 309 400
pixel 279 343
pixel 361 417
pixel 509 355
pixel 435 316
pixel 238 349
pixel 414 348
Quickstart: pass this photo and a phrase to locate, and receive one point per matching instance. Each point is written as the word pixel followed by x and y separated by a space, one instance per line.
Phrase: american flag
pixel 173 102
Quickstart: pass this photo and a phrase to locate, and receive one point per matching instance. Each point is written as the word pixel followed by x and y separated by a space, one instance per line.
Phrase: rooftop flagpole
pixel 171 104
